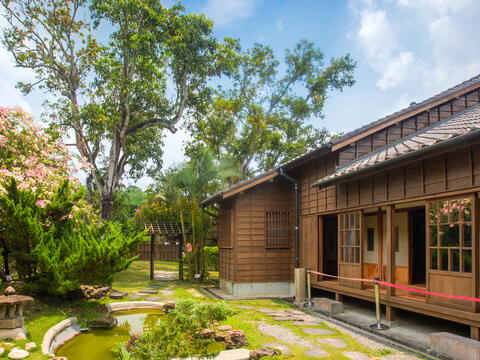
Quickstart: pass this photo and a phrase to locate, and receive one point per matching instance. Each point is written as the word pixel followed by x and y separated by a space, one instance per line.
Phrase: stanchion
pixel 308 303
pixel 378 325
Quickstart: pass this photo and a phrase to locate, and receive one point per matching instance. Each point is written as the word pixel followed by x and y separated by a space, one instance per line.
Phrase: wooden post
pixel 391 248
pixel 180 258
pixel 380 243
pixel 338 297
pixel 300 286
pixel 474 332
pixel 152 257
pixel 391 313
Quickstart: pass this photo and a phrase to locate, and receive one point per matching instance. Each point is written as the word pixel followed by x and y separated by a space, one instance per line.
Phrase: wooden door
pixel 309 242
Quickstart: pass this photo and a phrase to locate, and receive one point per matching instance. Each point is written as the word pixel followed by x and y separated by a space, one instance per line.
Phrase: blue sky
pixel 406 50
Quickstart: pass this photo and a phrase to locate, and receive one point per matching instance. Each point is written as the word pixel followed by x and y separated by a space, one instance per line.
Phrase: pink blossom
pixel 189 247
pixel 70 216
pixel 41 203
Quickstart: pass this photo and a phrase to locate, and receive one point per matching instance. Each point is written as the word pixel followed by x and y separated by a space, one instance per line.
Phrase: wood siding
pixel 254 262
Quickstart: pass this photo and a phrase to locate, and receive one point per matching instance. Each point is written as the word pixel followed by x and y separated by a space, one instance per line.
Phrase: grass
pixel 44 314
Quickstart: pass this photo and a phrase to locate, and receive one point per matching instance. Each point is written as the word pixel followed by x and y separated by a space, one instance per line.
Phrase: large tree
pixel 262 119
pixel 116 98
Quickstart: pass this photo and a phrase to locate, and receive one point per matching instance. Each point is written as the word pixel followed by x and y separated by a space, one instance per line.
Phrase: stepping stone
pixel 224 327
pixel 150 291
pixel 279 346
pixel 267 311
pixel 273 314
pixel 30 346
pixel 244 307
pixel 18 354
pixel 315 352
pixel 294 312
pixel 356 355
pixel 283 318
pixel 306 323
pixel 335 342
pixel 314 331
pixel 167 292
pixel 118 295
pixel 134 296
pixel 2 350
pixel 143 293
pixel 153 298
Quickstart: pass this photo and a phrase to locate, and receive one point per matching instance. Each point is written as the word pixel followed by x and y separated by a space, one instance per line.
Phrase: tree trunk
pixel 106 201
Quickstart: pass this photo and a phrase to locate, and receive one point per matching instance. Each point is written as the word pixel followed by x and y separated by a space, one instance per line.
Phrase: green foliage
pixel 53 247
pixel 116 97
pixel 178 335
pixel 211 258
pixel 262 119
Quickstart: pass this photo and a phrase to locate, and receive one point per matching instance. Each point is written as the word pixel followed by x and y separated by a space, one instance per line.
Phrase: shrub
pixel 54 247
pixel 177 336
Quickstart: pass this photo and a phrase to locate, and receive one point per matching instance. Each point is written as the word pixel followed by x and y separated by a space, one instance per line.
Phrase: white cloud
pixel 9 76
pixel 425 42
pixel 226 12
pixel 279 25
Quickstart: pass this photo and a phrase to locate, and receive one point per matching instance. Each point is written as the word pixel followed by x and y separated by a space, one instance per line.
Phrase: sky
pixel 406 50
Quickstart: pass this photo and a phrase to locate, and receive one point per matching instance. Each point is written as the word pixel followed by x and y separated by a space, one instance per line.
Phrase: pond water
pixel 99 343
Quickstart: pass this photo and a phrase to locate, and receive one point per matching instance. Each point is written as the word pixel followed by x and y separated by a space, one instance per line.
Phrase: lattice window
pixel 349 232
pixel 225 230
pixel 450 235
pixel 277 229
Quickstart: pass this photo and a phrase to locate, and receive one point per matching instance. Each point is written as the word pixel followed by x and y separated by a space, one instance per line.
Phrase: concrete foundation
pixel 269 289
pixel 454 346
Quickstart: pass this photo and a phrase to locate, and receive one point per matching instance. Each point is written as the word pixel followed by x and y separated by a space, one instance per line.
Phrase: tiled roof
pixel 464 123
pixel 414 107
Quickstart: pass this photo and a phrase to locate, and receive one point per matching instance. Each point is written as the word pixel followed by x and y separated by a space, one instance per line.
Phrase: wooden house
pixel 396 199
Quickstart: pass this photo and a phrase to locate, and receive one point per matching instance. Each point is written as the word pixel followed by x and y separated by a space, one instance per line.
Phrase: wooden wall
pixel 226 255
pixel 254 262
pixel 456 170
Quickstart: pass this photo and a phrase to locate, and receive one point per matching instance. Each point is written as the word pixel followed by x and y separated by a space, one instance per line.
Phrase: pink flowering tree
pixel 36 158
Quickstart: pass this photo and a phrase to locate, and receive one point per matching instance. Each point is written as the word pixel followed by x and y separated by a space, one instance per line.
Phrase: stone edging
pixel 134 305
pixel 54 331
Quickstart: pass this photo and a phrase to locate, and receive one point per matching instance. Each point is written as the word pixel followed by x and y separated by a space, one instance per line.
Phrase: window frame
pixel 350 251
pixel 277 229
pixel 221 225
pixel 451 221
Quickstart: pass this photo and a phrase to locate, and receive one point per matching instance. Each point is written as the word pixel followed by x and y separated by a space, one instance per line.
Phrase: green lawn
pixel 42 314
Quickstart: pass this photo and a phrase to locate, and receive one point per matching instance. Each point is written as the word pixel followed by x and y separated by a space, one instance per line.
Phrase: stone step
pixel 327 305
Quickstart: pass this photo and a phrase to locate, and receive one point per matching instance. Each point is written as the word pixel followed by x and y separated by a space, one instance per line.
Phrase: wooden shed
pixel 395 199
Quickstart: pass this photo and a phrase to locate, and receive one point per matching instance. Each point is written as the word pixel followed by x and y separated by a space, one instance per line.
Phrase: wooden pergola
pixel 171 229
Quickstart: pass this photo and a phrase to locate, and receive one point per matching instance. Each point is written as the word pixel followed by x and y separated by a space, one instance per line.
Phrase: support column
pixel 474 332
pixel 300 285
pixel 391 314
pixel 152 257
pixel 380 243
pixel 391 248
pixel 338 297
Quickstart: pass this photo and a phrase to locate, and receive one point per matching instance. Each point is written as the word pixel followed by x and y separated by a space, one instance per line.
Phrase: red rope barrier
pixel 401 287
pixel 341 277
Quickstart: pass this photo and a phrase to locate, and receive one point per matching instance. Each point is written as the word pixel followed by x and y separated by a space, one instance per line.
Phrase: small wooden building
pixel 396 199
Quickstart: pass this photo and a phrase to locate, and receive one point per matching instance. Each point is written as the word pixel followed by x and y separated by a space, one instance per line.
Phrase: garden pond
pixel 100 343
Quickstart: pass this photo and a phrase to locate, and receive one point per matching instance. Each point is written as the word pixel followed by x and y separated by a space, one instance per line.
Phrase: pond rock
pixel 10 291
pixel 132 341
pixel 168 306
pixel 103 322
pixel 235 339
pixel 90 292
pixel 118 295
pixel 259 353
pixel 224 327
pixel 18 354
pixel 207 333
